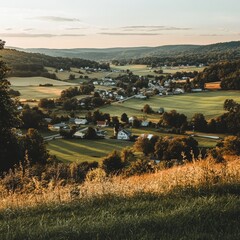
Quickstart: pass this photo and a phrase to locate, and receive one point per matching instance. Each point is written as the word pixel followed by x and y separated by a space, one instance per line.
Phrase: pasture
pixel 144 70
pixel 208 103
pixel 84 150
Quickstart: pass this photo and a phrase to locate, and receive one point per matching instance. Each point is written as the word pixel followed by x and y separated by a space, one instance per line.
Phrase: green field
pixel 84 150
pixel 144 70
pixel 93 150
pixel 208 103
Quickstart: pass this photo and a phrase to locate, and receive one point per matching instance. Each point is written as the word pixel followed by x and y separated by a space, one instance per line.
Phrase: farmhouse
pixel 80 121
pixel 102 123
pixel 140 96
pixel 79 134
pixel 124 135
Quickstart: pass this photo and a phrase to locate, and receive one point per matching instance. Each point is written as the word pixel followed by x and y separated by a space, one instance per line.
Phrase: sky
pixel 117 23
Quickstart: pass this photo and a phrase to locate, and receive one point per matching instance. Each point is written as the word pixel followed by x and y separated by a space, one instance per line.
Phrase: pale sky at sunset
pixel 118 23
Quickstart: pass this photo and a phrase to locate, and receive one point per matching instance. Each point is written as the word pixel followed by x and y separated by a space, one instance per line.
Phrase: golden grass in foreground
pixel 202 174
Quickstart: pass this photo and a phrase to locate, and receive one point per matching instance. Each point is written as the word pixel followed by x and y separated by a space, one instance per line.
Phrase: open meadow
pixel 209 103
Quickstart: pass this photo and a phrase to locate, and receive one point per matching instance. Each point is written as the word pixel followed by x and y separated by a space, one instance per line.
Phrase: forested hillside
pixel 169 55
pixel 24 64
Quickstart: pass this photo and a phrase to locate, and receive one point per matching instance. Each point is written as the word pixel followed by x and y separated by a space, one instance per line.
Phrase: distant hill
pixel 140 52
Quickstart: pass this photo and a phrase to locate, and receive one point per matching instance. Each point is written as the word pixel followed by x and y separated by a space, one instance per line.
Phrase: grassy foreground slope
pixel 199 200
pixel 139 217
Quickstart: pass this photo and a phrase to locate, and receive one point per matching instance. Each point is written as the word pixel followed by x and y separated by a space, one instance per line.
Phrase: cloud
pixel 57 19
pixel 28 29
pixel 8 29
pixel 154 28
pixel 39 35
pixel 212 35
pixel 75 28
pixel 128 34
pixel 71 35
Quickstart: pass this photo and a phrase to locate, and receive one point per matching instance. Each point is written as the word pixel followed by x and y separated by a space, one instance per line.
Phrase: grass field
pixel 94 150
pixel 140 217
pixel 144 70
pixel 84 150
pixel 208 103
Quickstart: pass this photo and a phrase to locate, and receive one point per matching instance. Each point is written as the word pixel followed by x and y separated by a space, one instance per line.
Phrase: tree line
pixel 228 73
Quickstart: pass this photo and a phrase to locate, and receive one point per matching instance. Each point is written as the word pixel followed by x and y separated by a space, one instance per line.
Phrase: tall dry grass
pixel 197 176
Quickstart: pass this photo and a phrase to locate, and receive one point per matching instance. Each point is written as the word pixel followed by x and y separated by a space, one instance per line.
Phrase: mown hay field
pixel 36 92
pixel 35 81
pixel 81 150
pixel 29 87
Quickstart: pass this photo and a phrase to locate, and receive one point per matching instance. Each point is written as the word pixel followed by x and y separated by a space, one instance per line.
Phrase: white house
pixel 79 134
pixel 131 119
pixel 124 135
pixel 145 123
pixel 58 126
pixel 178 91
pixel 80 121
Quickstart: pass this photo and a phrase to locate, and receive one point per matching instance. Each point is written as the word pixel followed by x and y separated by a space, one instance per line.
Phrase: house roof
pixel 126 132
pixel 101 123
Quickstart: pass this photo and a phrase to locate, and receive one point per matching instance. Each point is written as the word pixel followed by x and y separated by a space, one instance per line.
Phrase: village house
pixel 124 135
pixel 102 123
pixel 145 123
pixel 79 134
pixel 80 121
pixel 58 126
